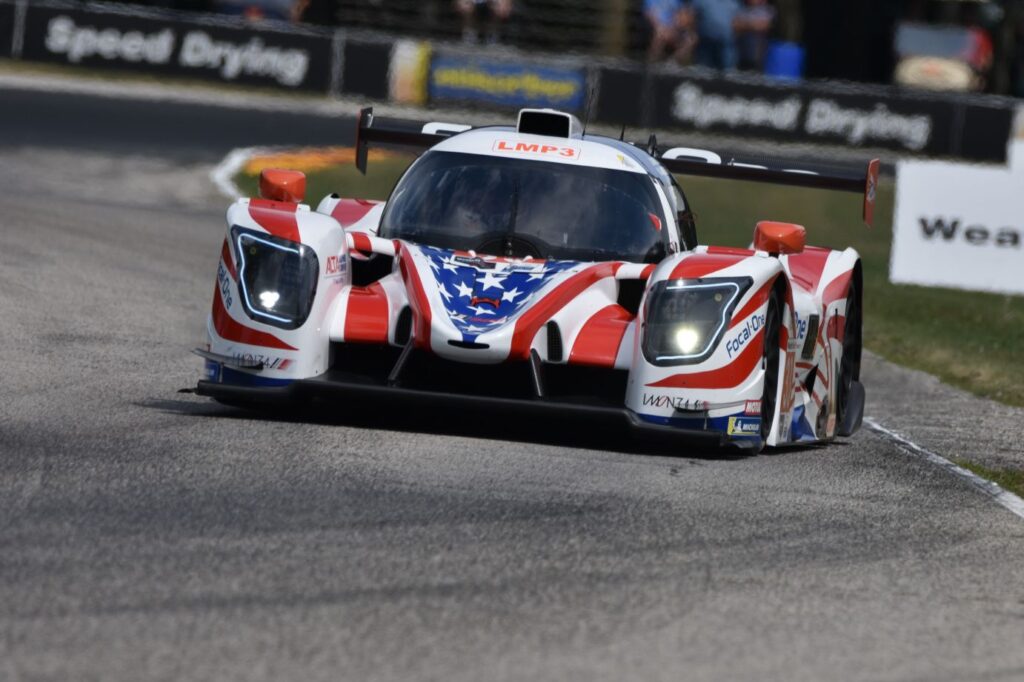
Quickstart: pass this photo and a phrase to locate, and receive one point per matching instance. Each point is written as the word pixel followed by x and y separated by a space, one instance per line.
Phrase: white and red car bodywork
pixel 459 308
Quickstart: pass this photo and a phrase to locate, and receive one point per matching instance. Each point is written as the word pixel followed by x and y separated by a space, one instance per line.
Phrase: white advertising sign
pixel 961 226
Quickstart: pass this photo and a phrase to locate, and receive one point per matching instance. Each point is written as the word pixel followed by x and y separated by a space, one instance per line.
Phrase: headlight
pixel 277 277
pixel 685 319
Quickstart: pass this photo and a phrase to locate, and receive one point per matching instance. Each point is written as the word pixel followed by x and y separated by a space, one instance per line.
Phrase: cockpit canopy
pixel 522 207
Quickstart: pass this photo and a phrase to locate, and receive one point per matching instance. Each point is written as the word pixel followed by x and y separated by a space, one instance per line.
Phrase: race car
pixel 537 269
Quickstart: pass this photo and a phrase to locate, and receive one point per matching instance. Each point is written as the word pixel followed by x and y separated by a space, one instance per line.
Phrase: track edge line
pixel 1000 495
pixel 223 174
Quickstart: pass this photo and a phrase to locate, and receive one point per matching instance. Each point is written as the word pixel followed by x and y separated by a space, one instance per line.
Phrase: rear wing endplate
pixel 394 131
pixel 698 162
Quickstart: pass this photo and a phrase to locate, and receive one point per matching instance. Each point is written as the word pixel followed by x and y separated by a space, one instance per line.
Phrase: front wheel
pixel 770 364
pixel 850 398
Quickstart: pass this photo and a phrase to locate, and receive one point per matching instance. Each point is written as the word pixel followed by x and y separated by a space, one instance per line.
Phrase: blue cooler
pixel 784 60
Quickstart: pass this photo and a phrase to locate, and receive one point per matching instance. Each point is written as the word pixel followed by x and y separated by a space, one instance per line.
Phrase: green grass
pixel 1008 479
pixel 967 339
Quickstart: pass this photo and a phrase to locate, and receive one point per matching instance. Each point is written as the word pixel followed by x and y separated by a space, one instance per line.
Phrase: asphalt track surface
pixel 150 534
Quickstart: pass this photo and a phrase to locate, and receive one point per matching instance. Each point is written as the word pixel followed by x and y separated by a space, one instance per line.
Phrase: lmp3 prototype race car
pixel 538 269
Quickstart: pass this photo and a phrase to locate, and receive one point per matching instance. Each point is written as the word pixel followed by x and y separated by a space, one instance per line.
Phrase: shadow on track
pixel 572 433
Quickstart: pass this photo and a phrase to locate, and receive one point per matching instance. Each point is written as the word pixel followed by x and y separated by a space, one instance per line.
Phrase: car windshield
pixel 517 207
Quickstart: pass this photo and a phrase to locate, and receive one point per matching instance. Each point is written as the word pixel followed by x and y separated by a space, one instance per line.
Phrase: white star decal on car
pixel 540 274
pixel 491 280
pixel 463 289
pixel 510 295
pixel 480 310
pixel 444 292
pixel 473 329
pixel 450 264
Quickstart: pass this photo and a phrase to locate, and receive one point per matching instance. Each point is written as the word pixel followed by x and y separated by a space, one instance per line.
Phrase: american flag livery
pixel 718 346
pixel 484 293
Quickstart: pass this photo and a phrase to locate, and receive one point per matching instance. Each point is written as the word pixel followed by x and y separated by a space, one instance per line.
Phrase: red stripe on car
pixel 276 217
pixel 533 319
pixel 837 327
pixel 351 211
pixel 822 379
pixel 598 342
pixel 837 289
pixel 806 268
pixel 229 262
pixel 228 328
pixel 418 300
pixel 703 264
pixel 730 376
pixel 366 318
pixel 362 242
pixel 758 300
pixel 729 251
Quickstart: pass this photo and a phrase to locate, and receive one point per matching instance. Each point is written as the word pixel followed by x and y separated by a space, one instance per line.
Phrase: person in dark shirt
pixel 752 25
pixel 715 32
pixel 671 30
pixel 493 12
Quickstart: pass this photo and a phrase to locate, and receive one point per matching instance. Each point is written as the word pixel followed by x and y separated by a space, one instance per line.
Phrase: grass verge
pixel 971 340
pixel 1007 479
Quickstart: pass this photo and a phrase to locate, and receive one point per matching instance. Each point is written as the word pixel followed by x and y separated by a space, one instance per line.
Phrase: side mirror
pixel 779 238
pixel 288 186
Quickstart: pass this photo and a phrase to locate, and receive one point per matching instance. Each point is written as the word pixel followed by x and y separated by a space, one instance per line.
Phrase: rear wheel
pixel 849 368
pixel 770 363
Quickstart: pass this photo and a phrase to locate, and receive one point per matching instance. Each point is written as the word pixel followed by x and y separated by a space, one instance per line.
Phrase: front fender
pixel 723 391
pixel 282 354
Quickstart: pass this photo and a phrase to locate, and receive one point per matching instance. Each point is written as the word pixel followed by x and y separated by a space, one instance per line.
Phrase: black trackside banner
pixel 815 113
pixel 208 48
pixel 6 29
pixel 366 67
pixel 621 95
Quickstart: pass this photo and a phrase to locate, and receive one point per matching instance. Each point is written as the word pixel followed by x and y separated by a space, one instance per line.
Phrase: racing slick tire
pixel 850 399
pixel 770 362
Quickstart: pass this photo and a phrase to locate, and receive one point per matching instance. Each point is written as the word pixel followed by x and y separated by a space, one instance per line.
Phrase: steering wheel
pixel 511 246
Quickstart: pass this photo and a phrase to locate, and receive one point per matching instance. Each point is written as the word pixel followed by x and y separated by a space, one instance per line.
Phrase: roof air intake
pixel 550 123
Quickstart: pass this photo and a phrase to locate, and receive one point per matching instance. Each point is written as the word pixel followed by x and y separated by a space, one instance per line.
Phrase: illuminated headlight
pixel 685 319
pixel 277 277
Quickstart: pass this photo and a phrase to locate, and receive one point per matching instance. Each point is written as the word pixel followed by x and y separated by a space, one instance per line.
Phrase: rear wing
pixel 680 160
pixel 699 162
pixel 400 132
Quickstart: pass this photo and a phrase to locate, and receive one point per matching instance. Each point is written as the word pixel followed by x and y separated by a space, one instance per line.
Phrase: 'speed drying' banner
pixel 112 38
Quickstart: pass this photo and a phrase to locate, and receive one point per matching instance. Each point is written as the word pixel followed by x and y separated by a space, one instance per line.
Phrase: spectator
pixel 716 45
pixel 671 30
pixel 257 10
pixel 752 25
pixel 493 13
pixel 981 53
